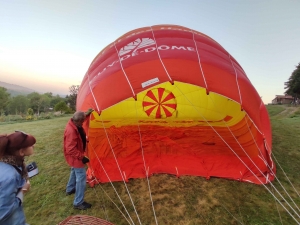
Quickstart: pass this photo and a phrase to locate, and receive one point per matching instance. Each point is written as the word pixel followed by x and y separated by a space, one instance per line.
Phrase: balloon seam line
pixel 124 71
pixel 160 56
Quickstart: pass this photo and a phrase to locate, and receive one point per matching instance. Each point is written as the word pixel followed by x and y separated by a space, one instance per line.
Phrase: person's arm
pixel 9 202
pixel 88 112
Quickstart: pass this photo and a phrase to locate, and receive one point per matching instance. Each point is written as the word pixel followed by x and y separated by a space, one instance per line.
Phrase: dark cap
pixel 19 140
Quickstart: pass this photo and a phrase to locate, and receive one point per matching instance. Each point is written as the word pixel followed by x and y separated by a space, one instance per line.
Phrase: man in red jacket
pixel 74 148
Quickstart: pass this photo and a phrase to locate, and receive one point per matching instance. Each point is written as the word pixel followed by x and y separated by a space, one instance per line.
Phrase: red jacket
pixel 73 146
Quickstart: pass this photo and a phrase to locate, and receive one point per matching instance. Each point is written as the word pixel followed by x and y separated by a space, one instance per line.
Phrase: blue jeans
pixel 77 181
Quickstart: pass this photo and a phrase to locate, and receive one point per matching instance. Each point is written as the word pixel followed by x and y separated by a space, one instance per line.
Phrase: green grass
pixel 185 200
pixel 275 109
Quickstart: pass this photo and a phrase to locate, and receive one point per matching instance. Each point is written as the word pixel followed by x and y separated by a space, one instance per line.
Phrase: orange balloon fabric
pixel 169 99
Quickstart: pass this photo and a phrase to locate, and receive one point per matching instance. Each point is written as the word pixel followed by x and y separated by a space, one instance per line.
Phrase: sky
pixel 48 46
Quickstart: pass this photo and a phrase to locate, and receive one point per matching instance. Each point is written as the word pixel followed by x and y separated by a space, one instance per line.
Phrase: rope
pixel 261 174
pixel 103 205
pixel 239 206
pixel 146 171
pixel 236 80
pixel 271 168
pixel 108 179
pixel 111 199
pixel 285 175
pixel 199 61
pixel 277 208
pixel 241 159
pixel 112 185
pixel 231 131
pixel 93 94
pixel 266 177
pixel 237 140
pixel 159 56
pixel 112 150
pixel 231 214
pixel 124 70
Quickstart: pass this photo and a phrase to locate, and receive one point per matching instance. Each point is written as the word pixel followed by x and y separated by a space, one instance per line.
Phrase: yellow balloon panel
pixel 179 104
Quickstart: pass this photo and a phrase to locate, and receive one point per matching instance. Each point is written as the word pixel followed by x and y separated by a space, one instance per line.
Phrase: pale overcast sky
pixel 48 45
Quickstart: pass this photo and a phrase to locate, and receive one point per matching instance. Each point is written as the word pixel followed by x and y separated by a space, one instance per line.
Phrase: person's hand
pixel 88 112
pixel 26 187
pixel 85 160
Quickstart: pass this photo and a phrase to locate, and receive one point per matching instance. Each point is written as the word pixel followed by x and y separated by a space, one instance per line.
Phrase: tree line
pixel 292 86
pixel 37 103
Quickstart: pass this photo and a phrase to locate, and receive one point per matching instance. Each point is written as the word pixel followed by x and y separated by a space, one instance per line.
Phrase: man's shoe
pixel 83 206
pixel 71 192
pixel 88 205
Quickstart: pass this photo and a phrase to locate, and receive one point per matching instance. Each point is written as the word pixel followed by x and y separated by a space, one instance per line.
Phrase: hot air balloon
pixel 169 99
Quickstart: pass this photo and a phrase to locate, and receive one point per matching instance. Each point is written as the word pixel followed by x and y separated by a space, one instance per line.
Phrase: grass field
pixel 185 200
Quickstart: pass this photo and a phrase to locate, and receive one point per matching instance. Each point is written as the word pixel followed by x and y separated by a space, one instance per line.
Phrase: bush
pixel 45 115
pixel 69 111
pixel 29 117
pixel 15 117
pixel 11 118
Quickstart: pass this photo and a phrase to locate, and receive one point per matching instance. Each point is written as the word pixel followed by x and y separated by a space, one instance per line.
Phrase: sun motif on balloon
pixel 159 103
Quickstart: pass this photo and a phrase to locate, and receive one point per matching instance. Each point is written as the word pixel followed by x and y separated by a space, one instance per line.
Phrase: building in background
pixel 283 99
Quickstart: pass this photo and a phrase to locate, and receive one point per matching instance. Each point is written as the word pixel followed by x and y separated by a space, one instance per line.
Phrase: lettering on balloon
pixel 133 50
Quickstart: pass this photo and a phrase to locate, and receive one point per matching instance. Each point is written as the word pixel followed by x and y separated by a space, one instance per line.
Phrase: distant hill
pixel 15 90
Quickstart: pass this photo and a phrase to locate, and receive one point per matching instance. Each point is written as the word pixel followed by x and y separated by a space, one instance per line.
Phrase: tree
pixel 71 99
pixel 61 106
pixel 29 114
pixel 4 99
pixel 45 102
pixel 35 101
pixel 292 86
pixel 49 94
pixel 56 99
pixel 18 104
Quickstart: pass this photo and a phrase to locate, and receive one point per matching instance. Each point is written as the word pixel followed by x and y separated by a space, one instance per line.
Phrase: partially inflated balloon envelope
pixel 169 99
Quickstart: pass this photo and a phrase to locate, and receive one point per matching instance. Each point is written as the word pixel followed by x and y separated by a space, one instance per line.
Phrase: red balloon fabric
pixel 169 99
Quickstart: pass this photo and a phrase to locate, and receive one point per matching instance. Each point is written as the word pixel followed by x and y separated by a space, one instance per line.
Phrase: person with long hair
pixel 14 180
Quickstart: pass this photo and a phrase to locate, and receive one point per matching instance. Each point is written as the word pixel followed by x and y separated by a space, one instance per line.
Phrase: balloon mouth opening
pixel 173 126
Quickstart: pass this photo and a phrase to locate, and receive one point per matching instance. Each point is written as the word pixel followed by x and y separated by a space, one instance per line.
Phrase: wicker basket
pixel 84 220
